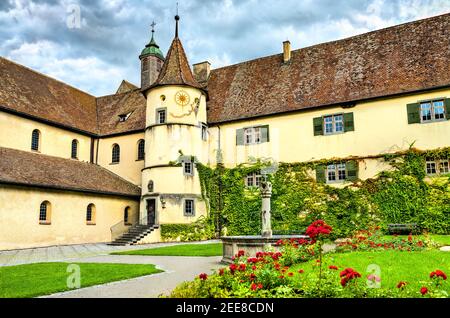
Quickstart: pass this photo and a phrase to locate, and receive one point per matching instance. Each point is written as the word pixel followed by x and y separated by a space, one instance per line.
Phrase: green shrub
pixel 198 231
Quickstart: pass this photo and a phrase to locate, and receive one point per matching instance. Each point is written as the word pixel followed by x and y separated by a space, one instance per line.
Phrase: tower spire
pixel 177 18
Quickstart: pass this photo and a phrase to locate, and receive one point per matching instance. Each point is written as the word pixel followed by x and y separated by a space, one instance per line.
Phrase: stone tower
pixel 152 60
pixel 176 138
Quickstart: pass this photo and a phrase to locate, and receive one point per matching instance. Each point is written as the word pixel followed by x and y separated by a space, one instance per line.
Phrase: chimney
pixel 202 71
pixel 286 51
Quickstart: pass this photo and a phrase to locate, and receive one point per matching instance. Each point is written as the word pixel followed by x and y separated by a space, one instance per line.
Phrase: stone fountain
pixel 253 244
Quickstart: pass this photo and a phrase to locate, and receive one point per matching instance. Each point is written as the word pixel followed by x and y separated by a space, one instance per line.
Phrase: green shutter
pixel 349 123
pixel 318 126
pixel 240 137
pixel 320 174
pixel 352 170
pixel 265 133
pixel 447 108
pixel 413 113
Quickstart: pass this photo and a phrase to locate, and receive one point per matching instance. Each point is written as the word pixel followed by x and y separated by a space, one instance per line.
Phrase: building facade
pixel 75 168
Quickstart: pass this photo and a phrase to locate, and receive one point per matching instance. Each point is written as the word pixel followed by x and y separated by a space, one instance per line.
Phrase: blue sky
pixel 103 48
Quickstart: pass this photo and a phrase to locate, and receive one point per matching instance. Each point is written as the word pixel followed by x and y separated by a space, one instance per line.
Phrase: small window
pixel 74 154
pixel 204 132
pixel 45 213
pixel 437 167
pixel 189 207
pixel 116 154
pixel 336 173
pixel 188 168
pixel 141 150
pixel 90 214
pixel 253 179
pixel 161 116
pixel 333 124
pixel 252 136
pixel 432 111
pixel 35 140
pixel 126 216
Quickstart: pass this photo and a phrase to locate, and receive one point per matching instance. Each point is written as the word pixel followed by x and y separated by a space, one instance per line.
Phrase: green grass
pixel 31 280
pixel 442 240
pixel 396 266
pixel 214 249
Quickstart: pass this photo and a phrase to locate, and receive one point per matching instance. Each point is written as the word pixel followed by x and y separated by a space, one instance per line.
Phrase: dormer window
pixel 124 117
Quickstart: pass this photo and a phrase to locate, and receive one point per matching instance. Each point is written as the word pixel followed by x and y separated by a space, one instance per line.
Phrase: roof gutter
pixel 41 186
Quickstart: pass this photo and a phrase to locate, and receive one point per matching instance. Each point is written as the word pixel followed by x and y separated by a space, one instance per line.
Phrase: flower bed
pixel 273 274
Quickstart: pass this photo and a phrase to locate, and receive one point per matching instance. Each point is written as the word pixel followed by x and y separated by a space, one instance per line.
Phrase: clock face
pixel 182 98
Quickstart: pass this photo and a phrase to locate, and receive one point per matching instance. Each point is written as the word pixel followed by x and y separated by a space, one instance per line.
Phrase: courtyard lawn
pixel 31 280
pixel 442 240
pixel 214 249
pixel 396 266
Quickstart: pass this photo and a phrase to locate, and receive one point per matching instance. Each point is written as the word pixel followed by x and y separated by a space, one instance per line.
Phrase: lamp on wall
pixel 163 202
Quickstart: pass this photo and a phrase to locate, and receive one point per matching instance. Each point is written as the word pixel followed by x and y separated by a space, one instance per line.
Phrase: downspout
pixel 220 167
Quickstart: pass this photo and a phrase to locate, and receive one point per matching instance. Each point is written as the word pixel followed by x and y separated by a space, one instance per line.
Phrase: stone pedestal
pixel 266 194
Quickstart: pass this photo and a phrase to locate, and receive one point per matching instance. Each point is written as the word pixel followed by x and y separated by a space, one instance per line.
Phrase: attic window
pixel 124 117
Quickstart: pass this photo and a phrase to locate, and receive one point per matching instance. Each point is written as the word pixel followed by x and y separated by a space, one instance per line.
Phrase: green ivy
pixel 397 196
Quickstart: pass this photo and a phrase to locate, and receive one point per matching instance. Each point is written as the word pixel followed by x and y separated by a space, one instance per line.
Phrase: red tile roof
pixel 405 58
pixel 26 91
pixel 32 169
pixel 176 69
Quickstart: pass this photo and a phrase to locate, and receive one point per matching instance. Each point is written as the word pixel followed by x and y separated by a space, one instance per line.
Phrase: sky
pixel 93 45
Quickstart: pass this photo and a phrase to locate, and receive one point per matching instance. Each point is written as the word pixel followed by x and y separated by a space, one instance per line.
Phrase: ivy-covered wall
pixel 401 195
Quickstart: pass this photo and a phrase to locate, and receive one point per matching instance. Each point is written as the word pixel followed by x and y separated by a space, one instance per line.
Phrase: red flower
pixel 279 243
pixel 221 271
pixel 333 267
pixel 301 271
pixel 281 277
pixel 203 276
pixel 242 267
pixel 259 254
pixel 252 260
pixel 410 238
pixel 347 275
pixel 255 287
pixel 240 253
pixel 424 291
pixel 290 274
pixel 252 277
pixel 318 228
pixel 254 267
pixel 277 266
pixel 233 268
pixel 438 273
pixel 401 284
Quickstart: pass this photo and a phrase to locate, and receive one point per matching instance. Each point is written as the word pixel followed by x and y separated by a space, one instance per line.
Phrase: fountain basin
pixel 251 244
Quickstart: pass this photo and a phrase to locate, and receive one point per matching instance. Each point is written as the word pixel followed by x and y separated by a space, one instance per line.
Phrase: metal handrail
pixel 117 230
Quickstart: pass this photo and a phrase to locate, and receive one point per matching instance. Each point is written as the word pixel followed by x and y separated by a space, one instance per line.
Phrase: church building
pixel 76 168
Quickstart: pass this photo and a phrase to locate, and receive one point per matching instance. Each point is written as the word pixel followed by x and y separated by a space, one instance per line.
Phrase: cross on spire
pixel 177 18
pixel 153 26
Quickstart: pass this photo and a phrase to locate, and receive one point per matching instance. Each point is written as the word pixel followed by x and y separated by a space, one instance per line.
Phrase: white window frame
pixel 189 164
pixel 253 180
pixel 252 136
pixel 334 124
pixel 338 170
pixel 185 207
pixel 432 106
pixel 159 112
pixel 204 132
pixel 437 166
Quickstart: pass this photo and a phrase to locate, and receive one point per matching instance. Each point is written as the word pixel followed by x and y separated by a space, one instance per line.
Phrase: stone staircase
pixel 134 235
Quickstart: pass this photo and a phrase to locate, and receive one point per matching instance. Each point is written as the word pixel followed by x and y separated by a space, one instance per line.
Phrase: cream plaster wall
pixel 380 127
pixel 16 133
pixel 129 167
pixel 19 217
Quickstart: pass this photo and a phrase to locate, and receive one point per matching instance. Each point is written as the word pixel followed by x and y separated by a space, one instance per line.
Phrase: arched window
pixel 141 149
pixel 45 213
pixel 74 149
pixel 116 154
pixel 126 215
pixel 35 140
pixel 90 214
